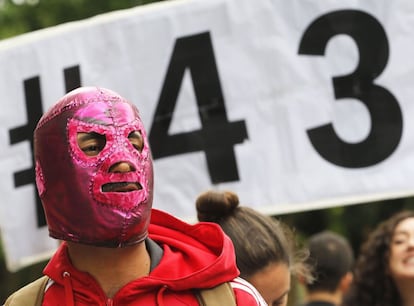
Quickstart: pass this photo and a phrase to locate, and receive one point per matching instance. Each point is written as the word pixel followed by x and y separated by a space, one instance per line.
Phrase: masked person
pixel 95 178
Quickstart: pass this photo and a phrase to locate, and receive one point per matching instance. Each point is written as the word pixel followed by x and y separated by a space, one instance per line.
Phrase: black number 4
pixel 383 107
pixel 217 135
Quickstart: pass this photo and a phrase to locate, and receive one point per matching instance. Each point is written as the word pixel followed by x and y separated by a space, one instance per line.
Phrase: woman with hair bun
pixel 265 248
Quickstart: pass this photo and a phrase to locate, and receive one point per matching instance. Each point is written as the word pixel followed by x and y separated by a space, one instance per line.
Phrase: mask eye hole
pixel 136 140
pixel 91 143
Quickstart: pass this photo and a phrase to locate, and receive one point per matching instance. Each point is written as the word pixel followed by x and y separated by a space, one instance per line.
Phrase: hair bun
pixel 213 205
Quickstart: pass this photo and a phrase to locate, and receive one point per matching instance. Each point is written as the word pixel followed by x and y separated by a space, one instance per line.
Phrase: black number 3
pixel 385 112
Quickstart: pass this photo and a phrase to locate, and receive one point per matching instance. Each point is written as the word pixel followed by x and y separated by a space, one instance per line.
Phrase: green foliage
pixel 354 221
pixel 34 15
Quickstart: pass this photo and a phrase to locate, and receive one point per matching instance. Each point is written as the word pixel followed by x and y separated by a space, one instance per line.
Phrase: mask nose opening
pixel 121 167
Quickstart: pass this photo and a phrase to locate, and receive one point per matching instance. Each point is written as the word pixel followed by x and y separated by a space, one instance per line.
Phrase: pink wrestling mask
pixel 94 169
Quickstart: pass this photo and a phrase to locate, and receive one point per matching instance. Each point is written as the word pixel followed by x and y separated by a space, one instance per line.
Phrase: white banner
pixel 294 105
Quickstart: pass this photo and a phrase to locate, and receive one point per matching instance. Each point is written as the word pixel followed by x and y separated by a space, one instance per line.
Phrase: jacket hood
pixel 195 256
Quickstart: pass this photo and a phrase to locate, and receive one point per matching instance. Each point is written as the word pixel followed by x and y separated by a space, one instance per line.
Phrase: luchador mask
pixel 94 170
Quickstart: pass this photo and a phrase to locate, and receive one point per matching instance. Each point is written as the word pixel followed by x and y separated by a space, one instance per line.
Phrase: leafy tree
pixel 33 15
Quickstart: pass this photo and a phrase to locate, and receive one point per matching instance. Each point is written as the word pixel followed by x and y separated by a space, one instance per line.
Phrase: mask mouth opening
pixel 121 187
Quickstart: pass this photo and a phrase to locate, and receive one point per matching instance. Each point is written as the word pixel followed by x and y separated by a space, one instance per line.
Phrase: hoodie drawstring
pixel 68 289
pixel 160 300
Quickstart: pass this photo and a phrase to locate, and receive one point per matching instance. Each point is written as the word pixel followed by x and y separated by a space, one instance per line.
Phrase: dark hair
pixel 259 240
pixel 372 284
pixel 332 257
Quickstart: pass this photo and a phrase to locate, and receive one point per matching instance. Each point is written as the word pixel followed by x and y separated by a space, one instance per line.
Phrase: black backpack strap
pixel 30 295
pixel 220 295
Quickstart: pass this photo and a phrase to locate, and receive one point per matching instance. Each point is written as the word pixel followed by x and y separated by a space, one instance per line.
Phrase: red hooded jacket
pixel 184 257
